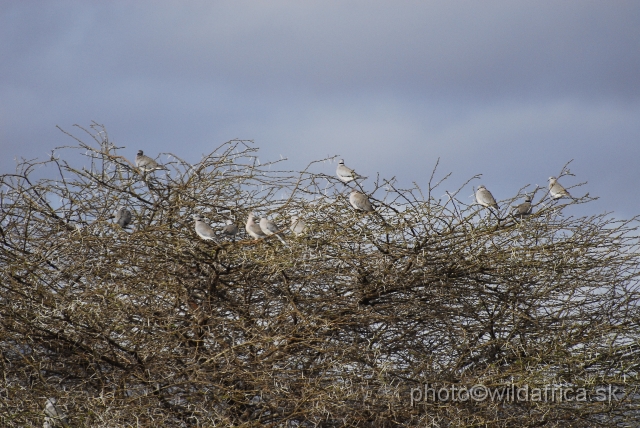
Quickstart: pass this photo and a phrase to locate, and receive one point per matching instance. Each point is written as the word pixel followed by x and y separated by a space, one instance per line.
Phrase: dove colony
pixel 260 228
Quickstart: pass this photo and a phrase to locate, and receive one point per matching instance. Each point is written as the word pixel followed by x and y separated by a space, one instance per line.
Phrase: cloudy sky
pixel 509 89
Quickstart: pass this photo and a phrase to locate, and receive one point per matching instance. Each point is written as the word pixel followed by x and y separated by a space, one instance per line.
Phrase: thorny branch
pixel 155 326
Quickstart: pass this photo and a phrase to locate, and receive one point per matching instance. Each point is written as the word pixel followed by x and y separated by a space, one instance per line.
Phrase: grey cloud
pixel 462 49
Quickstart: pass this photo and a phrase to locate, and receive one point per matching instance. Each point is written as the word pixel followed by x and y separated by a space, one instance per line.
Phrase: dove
pixel 556 189
pixel 485 198
pixel 523 209
pixel 230 229
pixel 360 201
pixel 146 164
pixel 203 230
pixel 123 217
pixel 270 228
pixel 346 174
pixel 252 228
pixel 298 226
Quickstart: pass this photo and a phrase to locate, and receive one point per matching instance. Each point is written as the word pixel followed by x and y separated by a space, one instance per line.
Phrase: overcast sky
pixel 509 89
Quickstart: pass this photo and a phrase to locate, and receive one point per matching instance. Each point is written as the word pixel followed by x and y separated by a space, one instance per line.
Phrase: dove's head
pixel 139 152
pixel 481 187
pixel 341 161
pixel 527 199
pixel 552 179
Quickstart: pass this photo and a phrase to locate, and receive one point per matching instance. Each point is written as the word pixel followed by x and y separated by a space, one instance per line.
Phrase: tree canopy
pixel 345 325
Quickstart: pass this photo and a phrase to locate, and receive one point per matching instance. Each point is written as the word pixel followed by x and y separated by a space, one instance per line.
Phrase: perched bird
pixel 523 209
pixel 123 217
pixel 230 229
pixel 298 226
pixel 485 198
pixel 146 164
pixel 556 189
pixel 346 174
pixel 53 416
pixel 270 228
pixel 253 229
pixel 360 201
pixel 203 230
